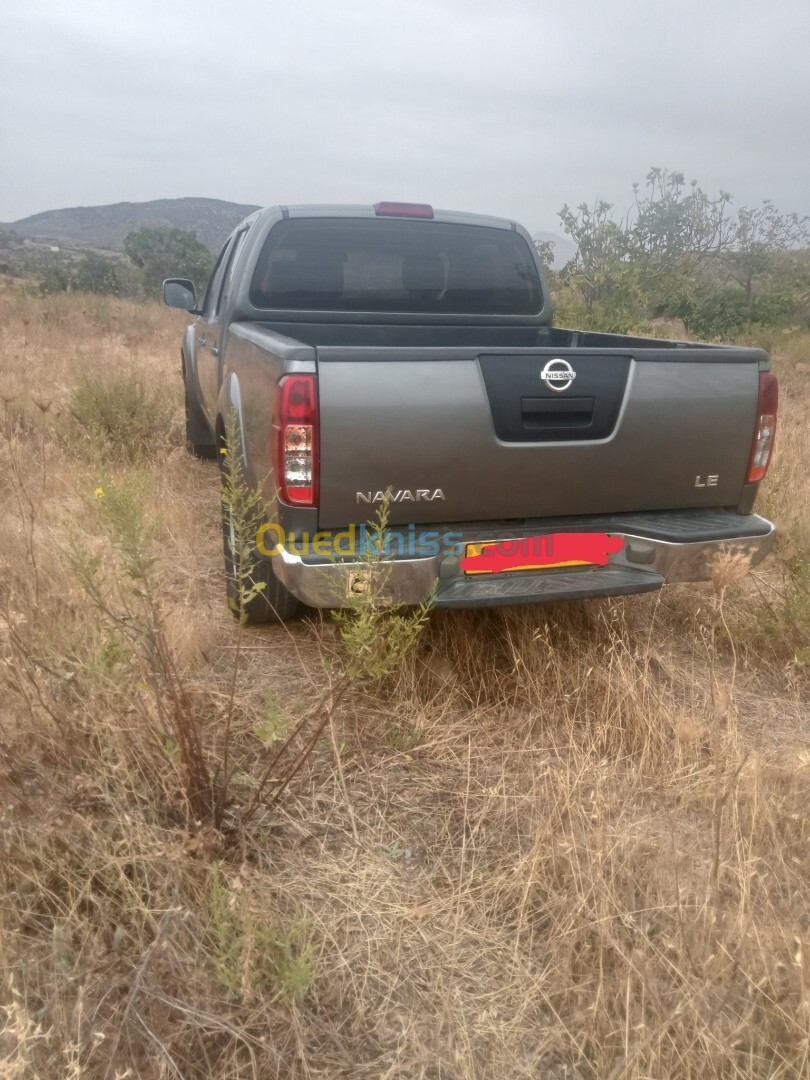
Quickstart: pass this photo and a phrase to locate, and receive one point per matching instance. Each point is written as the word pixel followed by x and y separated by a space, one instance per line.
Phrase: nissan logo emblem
pixel 558 375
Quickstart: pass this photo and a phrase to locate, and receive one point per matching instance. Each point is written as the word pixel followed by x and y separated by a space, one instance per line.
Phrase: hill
pixel 106 226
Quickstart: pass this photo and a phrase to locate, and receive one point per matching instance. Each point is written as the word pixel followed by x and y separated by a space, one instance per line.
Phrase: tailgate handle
pixel 556 413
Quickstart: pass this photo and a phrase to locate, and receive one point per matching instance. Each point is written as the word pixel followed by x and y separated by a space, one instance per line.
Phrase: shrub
pixel 121 416
pixel 97 274
pixel 54 279
pixel 377 634
pixel 719 313
pixel 249 954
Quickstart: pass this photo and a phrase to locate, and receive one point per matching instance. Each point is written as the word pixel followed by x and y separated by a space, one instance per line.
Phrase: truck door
pixel 218 319
pixel 207 335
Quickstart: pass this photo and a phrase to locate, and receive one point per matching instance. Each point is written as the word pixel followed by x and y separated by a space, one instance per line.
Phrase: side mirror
pixel 180 293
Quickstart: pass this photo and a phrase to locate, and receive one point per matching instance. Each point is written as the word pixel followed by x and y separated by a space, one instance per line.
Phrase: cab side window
pixel 212 289
pixel 231 261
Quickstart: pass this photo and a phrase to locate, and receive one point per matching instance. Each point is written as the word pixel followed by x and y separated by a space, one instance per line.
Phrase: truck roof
pixel 347 210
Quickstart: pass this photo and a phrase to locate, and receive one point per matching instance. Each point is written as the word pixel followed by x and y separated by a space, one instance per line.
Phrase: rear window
pixel 358 264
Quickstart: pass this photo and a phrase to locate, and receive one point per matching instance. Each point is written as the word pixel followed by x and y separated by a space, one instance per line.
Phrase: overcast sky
pixel 504 107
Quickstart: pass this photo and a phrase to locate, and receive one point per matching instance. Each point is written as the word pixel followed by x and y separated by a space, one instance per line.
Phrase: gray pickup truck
pixel 354 357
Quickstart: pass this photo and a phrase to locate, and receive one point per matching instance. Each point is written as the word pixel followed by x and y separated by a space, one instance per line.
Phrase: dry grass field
pixel 564 842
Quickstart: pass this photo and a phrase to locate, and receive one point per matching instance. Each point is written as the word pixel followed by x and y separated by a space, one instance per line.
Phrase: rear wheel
pixel 273 602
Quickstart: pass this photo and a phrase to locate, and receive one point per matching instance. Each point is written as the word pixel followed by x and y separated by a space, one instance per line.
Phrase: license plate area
pixel 538 554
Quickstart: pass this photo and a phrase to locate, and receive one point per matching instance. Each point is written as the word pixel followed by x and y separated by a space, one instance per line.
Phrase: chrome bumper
pixel 642 565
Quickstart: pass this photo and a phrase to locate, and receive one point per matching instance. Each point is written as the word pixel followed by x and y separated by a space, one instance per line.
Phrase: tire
pixel 272 604
pixel 198 440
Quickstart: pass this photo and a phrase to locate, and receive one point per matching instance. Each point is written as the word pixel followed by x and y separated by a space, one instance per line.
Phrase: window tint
pixel 396 266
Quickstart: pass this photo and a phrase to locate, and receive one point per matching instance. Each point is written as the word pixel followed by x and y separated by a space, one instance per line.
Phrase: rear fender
pixel 231 427
pixel 232 447
pixel 199 430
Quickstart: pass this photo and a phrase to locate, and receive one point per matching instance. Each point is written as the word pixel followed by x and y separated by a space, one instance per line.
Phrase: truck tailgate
pixel 476 437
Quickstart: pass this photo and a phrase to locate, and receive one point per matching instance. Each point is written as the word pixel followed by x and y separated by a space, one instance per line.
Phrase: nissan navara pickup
pixel 352 358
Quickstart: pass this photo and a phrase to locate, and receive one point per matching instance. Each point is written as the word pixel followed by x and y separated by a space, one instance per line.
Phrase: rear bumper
pixel 658 549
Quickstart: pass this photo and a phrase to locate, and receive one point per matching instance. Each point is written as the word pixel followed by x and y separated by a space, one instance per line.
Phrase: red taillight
pixel 403 209
pixel 765 430
pixel 295 439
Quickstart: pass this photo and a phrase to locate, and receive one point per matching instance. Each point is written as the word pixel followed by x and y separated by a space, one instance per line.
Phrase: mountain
pixel 564 247
pixel 106 226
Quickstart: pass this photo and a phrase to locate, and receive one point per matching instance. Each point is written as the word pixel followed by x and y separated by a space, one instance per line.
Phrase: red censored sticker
pixel 541 552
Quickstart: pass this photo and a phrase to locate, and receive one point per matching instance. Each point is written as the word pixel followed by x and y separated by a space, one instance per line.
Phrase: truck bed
pixel 463 412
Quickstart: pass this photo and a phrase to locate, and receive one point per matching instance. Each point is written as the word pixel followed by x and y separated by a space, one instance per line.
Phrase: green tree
pixel 681 253
pixel 763 234
pixel 675 223
pixel 602 245
pixel 165 252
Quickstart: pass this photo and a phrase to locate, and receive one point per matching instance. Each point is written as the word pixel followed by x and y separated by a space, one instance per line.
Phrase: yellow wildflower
pixel 99 493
